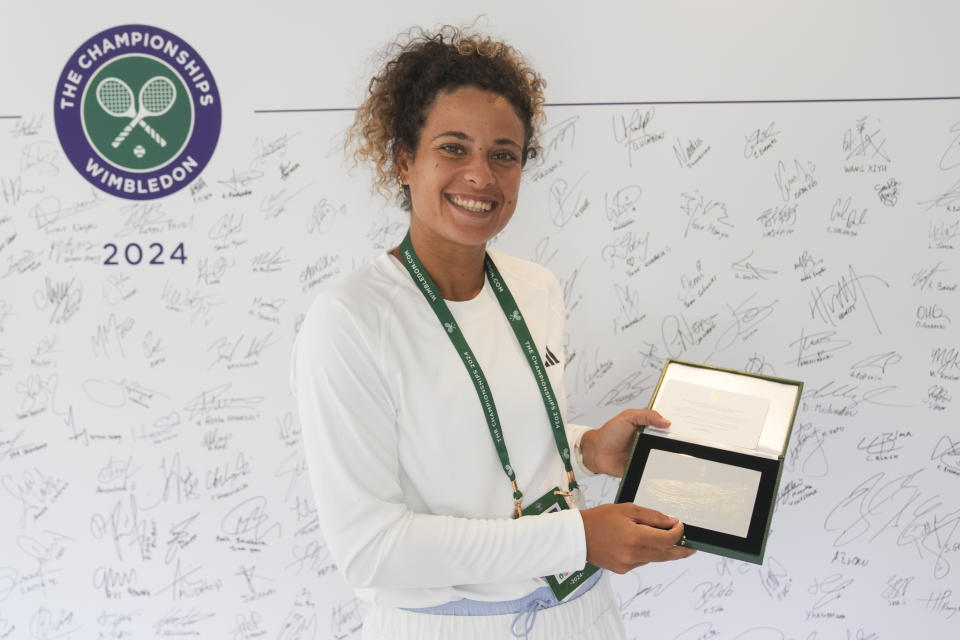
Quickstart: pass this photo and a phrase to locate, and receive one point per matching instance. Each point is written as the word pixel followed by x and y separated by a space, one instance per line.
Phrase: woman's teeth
pixel 471 205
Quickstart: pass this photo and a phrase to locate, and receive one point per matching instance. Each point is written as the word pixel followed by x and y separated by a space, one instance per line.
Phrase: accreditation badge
pixel 562 584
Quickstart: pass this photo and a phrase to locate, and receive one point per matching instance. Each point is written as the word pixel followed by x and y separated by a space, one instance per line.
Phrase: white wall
pixel 137 445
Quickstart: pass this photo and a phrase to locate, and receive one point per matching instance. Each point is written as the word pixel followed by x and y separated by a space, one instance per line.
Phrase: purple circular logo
pixel 137 112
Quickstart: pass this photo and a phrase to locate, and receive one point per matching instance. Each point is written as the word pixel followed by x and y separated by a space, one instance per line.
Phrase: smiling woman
pixel 463 181
pixel 390 362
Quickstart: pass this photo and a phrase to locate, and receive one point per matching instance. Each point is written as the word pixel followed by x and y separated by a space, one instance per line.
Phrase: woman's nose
pixel 478 171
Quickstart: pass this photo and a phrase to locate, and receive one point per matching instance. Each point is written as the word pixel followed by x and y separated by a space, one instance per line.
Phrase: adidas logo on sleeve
pixel 549 359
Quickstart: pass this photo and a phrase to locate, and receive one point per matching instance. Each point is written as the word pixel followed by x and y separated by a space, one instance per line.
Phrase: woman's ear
pixel 404 158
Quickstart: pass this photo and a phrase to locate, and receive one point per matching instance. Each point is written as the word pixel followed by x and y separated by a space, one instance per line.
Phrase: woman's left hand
pixel 605 450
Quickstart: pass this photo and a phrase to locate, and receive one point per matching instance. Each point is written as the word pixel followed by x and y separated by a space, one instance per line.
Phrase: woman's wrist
pixel 585 450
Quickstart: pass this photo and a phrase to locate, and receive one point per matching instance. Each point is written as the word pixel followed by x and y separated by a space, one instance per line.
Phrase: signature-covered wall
pixel 774 189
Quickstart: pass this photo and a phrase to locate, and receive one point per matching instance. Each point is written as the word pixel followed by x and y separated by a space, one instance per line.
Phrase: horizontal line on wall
pixel 773 101
pixel 10 117
pixel 314 110
pixel 662 102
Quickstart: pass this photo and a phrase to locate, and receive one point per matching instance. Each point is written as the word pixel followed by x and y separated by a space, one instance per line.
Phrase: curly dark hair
pixel 418 66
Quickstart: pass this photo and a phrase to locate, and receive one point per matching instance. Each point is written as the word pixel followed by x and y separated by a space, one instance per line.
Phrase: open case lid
pixel 753 414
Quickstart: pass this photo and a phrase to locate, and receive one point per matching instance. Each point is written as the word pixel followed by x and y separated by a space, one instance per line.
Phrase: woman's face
pixel 465 174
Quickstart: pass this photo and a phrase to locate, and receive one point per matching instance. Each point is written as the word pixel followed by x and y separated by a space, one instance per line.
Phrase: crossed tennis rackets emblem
pixel 156 97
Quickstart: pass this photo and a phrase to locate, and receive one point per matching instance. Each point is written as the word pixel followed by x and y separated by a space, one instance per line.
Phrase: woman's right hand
pixel 621 537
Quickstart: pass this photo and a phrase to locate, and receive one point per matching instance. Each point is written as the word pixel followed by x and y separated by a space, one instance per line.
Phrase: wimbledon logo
pixel 137 112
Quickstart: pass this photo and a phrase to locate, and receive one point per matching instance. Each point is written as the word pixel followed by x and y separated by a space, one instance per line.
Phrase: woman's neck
pixel 456 270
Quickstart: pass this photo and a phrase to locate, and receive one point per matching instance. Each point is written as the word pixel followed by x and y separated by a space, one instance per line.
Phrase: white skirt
pixel 593 616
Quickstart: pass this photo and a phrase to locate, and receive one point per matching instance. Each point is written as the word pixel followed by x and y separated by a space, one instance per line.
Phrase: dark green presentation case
pixel 762 463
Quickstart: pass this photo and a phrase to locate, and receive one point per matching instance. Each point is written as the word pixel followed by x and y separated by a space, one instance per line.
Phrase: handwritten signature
pixel 835 302
pixel 858 142
pixel 760 141
pixel 631 131
pixel 898 504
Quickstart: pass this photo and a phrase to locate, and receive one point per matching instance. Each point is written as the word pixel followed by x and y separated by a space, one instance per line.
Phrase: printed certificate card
pixel 714 415
pixel 717 467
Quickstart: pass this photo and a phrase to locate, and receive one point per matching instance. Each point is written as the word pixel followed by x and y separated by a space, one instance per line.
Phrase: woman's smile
pixel 472 204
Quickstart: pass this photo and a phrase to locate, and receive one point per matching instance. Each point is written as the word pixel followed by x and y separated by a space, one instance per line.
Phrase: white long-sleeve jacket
pixel 411 496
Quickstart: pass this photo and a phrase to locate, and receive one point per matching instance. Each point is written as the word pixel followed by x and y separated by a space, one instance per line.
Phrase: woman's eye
pixel 505 156
pixel 452 148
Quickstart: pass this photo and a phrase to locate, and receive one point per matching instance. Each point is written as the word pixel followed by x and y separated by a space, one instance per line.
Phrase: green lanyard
pixel 519 326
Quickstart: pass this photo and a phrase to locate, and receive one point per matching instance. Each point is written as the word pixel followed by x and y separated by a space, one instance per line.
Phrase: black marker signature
pixel 807 452
pixel 183 587
pixel 274 204
pixel 759 142
pixel 632 132
pixel 247 627
pixel 631 312
pixel 950 197
pixel 877 505
pixel 877 364
pixel 46 625
pixel 622 205
pixel 238 182
pixel 746 321
pixel 850 394
pixel 278 146
pixel 551 138
pixel 775 579
pixel 250 519
pixel 226 225
pixel 941 232
pixel 746 270
pixel 123 523
pixel 679 335
pixel 842 213
pixel 757 363
pixel 817 347
pixel 947 453
pixel 27 126
pixel 323 215
pixel 923 278
pixel 889 192
pixel 40 157
pixel 298 626
pixel 689 153
pixel 951 155
pixel 631 247
pixel 62 298
pixel 796 181
pixel 628 389
pixel 703 214
pixel 858 142
pixel 14 190
pixel 882 446
pixel 35 490
pixel 267 262
pixel 215 400
pixel 835 302
pixel 149 218
pixel 115 394
pixel 827 590
pixel 938 397
pixel 176 622
pixel 180 537
pixel 565 201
